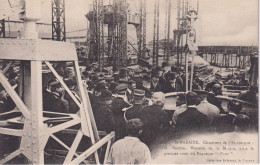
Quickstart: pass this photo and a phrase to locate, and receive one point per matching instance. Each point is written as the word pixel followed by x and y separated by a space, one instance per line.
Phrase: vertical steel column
pixel 33 88
pixel 144 28
pixel 168 31
pixel 154 34
pixel 101 33
pixel 165 42
pixel 124 33
pixel 2 28
pixel 140 29
pixel 157 38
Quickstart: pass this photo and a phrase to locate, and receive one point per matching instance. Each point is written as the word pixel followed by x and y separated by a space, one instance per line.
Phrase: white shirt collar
pixel 192 106
pixel 132 138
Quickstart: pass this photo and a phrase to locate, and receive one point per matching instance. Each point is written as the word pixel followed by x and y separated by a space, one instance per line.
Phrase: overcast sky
pixel 221 22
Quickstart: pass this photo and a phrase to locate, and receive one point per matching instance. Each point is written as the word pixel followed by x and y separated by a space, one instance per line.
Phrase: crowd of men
pixel 130 101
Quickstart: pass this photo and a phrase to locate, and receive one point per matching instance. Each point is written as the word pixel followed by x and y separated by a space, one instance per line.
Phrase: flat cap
pixel 109 79
pixel 121 87
pixel 138 70
pixel 131 81
pixel 123 80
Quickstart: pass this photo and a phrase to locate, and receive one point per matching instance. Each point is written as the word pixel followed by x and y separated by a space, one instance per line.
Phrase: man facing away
pixel 191 119
pixel 130 150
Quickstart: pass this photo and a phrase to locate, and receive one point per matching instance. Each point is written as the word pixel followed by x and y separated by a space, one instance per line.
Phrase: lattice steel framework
pixel 115 49
pixel 119 34
pixel 58 20
pixel 100 33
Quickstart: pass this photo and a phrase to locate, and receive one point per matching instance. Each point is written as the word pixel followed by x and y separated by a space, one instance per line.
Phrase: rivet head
pixel 33 142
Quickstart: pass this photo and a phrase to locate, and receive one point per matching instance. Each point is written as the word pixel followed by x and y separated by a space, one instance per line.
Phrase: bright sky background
pixel 221 22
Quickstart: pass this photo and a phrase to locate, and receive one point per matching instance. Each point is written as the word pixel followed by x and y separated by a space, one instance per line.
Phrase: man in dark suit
pixel 155 119
pixel 156 86
pixel 191 119
pixel 146 86
pixel 117 106
pixel 72 84
pixel 211 97
pixel 225 122
pixel 138 105
pixel 103 115
pixel 166 70
pixel 170 85
pixel 53 98
pixel 250 95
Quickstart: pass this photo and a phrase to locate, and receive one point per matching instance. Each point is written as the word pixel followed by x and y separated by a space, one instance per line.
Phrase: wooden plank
pixel 173 94
pixel 238 100
pixel 14 96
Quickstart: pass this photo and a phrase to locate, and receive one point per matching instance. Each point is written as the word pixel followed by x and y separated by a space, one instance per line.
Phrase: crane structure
pixel 141 29
pixel 109 45
pixel 58 20
pixel 155 61
pixel 2 28
pixel 184 27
